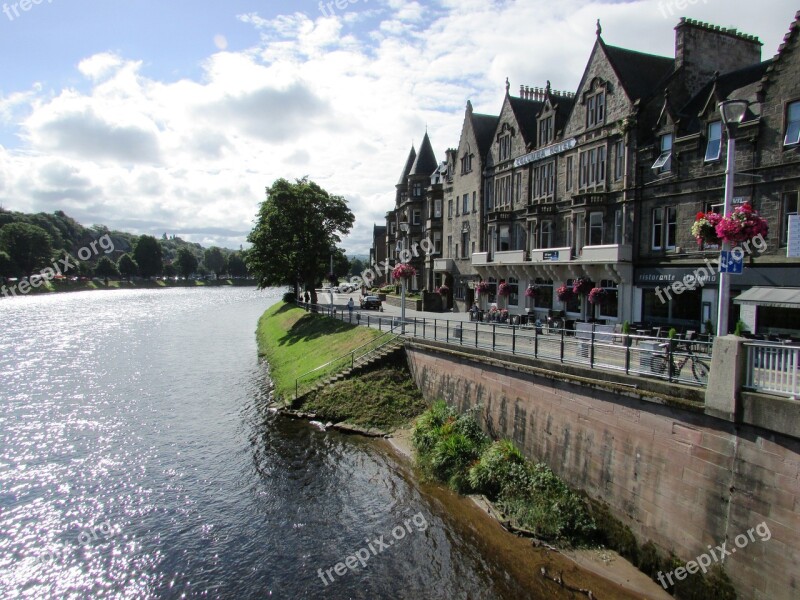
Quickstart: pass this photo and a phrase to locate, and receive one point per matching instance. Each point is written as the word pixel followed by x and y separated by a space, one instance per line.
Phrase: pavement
pixel 340 302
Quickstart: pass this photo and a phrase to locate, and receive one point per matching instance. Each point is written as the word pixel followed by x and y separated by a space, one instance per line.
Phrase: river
pixel 138 460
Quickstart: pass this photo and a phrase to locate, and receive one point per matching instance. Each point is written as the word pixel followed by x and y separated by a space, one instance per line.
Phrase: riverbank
pixel 53 287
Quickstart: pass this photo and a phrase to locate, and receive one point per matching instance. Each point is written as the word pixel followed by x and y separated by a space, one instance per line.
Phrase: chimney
pixel 702 48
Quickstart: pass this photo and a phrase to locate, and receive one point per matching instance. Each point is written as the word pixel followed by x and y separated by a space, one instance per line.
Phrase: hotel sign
pixel 551 255
pixel 546 152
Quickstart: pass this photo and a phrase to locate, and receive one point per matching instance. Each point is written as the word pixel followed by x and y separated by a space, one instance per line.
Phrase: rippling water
pixel 137 460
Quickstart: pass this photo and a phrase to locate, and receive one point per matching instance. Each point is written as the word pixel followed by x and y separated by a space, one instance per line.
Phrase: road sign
pixel 729 264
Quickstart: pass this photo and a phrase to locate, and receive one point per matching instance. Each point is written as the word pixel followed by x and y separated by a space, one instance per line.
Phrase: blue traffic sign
pixel 728 263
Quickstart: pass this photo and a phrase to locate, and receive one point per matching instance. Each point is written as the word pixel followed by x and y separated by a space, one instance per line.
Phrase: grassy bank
pixel 294 342
pixel 451 448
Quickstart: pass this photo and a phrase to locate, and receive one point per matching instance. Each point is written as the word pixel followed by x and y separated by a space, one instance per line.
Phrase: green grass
pixel 385 398
pixel 295 342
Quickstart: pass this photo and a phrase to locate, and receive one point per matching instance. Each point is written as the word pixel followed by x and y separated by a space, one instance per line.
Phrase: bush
pixel 493 469
pixel 289 298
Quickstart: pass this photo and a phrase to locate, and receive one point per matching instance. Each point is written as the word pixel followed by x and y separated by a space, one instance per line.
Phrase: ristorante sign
pixel 546 152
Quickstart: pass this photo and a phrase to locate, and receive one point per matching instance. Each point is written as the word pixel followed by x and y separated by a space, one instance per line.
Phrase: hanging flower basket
pixel 742 225
pixel 704 228
pixel 565 293
pixel 582 286
pixel 482 287
pixel 531 291
pixel 596 295
pixel 504 289
pixel 443 290
pixel 403 271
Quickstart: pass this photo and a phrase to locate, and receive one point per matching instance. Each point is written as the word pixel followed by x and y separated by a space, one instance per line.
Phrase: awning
pixel 772 296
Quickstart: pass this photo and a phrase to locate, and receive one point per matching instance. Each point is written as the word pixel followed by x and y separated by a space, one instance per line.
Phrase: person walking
pixel 350 305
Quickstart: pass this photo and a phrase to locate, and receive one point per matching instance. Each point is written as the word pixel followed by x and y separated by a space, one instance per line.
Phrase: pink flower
pixel 581 286
pixel 596 295
pixel 403 271
pixel 565 293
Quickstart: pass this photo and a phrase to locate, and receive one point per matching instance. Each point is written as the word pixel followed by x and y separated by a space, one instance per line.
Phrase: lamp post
pixel 404 227
pixel 732 112
pixel 330 279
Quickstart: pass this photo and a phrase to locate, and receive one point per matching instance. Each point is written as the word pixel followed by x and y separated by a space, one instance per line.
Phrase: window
pixel 458 206
pixel 569 173
pixel 417 191
pixel 465 244
pixel 545 130
pixel 474 203
pixel 546 236
pixel 517 187
pixel 663 163
pixel 544 293
pixel 792 124
pixel 618 226
pixel 596 110
pixel 465 204
pixel 714 145
pixel 609 304
pixel 449 209
pixel 449 246
pixel 568 230
pixel 504 239
pixel 596 229
pixel 466 163
pixel 513 297
pixel 592 167
pixel 505 147
pixel 790 207
pixel 672 226
pixel 544 180
pixel 437 208
pixel 619 160
pixel 580 231
pixel 416 216
pixel 437 242
pixel 489 204
pixel 658 228
pixel 393 228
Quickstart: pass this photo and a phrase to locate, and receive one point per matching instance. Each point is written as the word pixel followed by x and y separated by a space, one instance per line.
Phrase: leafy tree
pixel 170 270
pixel 357 266
pixel 7 266
pixel 187 262
pixel 106 268
pixel 127 266
pixel 296 227
pixel 147 255
pixel 236 265
pixel 27 245
pixel 214 260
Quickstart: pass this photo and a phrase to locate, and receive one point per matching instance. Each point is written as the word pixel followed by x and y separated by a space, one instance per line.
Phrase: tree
pixel 106 268
pixel 357 266
pixel 127 266
pixel 236 265
pixel 297 225
pixel 214 260
pixel 28 246
pixel 147 255
pixel 186 262
pixel 170 270
pixel 7 266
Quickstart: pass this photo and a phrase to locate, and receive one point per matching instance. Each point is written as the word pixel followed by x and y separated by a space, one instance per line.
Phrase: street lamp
pixel 732 112
pixel 330 278
pixel 405 228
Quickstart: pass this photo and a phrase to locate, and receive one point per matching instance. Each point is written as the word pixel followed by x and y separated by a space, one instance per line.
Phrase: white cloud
pixel 337 98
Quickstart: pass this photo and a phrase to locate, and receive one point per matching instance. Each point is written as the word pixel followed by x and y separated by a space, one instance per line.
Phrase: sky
pixel 174 116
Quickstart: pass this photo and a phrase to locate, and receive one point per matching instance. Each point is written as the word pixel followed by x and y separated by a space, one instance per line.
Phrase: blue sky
pixel 173 116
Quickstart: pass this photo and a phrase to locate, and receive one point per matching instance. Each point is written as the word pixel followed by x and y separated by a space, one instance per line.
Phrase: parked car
pixel 368 302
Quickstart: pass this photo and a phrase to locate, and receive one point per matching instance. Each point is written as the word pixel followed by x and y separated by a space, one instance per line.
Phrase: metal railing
pixel 678 360
pixel 773 368
pixel 347 360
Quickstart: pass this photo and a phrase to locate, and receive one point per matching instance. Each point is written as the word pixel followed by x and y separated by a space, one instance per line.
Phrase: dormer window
pixel 466 163
pixel 546 130
pixel 792 124
pixel 417 190
pixel 596 109
pixel 663 163
pixel 505 147
pixel 714 146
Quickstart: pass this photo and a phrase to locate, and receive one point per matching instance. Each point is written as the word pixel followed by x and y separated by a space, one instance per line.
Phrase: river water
pixel 138 460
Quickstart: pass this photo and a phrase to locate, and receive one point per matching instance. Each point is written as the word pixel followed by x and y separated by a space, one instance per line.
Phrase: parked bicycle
pixel 678 360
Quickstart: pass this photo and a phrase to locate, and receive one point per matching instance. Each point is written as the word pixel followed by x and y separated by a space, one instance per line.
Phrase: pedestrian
pixel 350 305
pixel 308 297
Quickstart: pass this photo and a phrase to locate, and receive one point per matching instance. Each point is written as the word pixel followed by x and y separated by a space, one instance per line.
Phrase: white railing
pixel 773 368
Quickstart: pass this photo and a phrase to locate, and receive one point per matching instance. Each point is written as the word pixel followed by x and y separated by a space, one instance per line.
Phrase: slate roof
pixel 525 112
pixel 640 74
pixel 425 163
pixel 484 127
pixel 409 163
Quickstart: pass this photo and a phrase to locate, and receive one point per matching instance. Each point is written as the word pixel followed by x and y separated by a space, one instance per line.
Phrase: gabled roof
pixel 425 163
pixel 794 29
pixel 484 126
pixel 525 112
pixel 409 163
pixel 640 74
pixel 728 85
